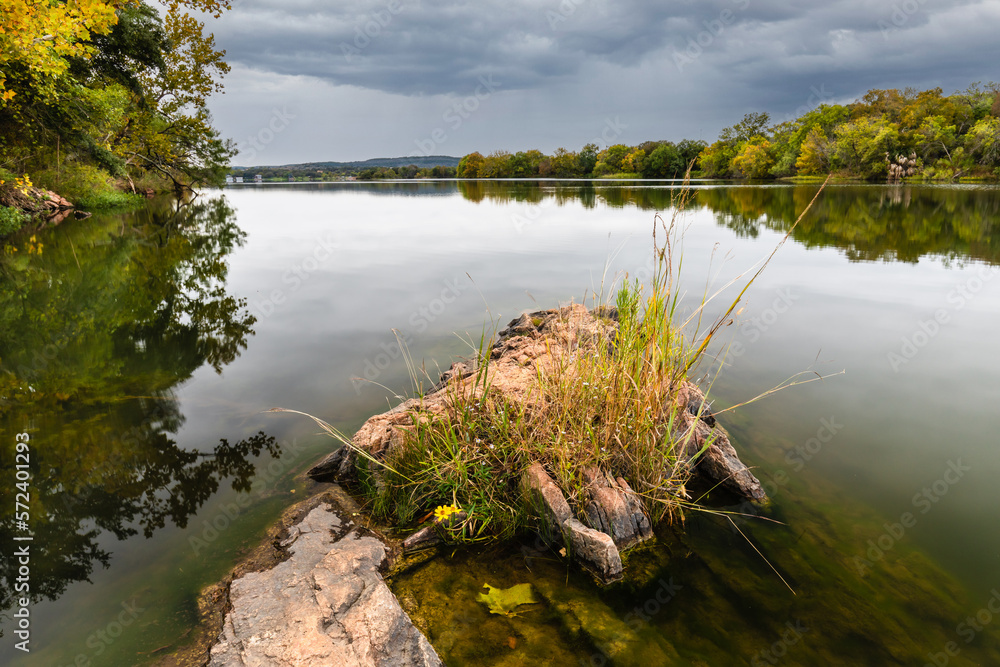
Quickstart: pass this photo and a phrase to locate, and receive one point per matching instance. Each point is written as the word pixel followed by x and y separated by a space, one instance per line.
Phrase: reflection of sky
pixel 396 255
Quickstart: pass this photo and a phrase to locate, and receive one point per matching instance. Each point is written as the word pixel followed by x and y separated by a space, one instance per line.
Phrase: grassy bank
pixel 12 218
pixel 87 187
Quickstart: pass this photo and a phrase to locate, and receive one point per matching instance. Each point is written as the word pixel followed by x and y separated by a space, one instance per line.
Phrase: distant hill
pixel 421 161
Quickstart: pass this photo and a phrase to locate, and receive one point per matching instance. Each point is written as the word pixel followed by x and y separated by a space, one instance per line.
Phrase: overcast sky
pixel 356 79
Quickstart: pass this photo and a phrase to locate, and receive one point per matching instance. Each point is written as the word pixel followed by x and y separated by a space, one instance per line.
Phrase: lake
pixel 138 350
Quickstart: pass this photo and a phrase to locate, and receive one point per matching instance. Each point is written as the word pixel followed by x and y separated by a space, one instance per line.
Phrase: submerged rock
pixel 608 516
pixel 628 641
pixel 326 605
pixel 593 548
pixel 549 501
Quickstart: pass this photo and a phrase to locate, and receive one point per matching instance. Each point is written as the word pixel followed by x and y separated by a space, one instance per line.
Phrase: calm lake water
pixel 129 355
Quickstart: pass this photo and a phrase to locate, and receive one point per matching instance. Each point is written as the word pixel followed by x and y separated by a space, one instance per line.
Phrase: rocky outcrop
pixel 36 201
pixel 594 550
pixel 325 605
pixel 549 501
pixel 718 460
pixel 377 436
pixel 593 546
pixel 606 516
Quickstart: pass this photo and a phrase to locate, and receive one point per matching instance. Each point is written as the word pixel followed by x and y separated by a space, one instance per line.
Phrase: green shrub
pixel 87 186
pixel 11 220
pixel 115 199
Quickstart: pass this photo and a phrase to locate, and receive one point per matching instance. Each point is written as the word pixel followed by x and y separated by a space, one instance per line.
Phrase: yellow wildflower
pixel 444 512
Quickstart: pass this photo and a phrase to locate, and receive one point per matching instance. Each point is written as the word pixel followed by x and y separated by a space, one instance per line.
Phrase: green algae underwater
pixel 704 593
pixel 701 595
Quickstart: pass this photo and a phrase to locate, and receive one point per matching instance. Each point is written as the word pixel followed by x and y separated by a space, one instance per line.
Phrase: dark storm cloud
pixel 393 68
pixel 439 46
pixel 780 58
pixel 434 46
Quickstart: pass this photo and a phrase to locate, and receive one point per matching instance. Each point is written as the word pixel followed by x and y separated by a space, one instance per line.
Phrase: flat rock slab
pixel 326 605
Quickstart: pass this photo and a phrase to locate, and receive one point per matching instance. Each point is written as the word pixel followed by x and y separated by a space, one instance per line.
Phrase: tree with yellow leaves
pixel 171 134
pixel 40 37
pixel 114 85
pixel 754 159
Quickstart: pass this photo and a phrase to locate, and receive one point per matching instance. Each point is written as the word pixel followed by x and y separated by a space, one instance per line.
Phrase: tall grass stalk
pixel 608 402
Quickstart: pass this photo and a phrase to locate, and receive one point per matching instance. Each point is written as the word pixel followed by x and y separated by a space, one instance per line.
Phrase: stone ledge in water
pixel 609 507
pixel 719 463
pixel 592 547
pixel 325 605
pixel 613 508
pixel 39 203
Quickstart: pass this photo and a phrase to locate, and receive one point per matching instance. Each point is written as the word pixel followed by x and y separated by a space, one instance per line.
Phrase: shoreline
pixel 231 621
pixel 782 180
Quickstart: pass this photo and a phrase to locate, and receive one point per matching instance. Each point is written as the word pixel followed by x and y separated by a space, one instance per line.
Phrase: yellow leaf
pixel 505 600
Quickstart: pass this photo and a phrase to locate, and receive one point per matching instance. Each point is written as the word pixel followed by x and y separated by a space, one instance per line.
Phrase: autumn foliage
pixel 110 84
pixel 950 136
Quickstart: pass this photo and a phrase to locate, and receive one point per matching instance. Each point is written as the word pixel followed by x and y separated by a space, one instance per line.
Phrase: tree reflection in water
pixel 892 223
pixel 97 330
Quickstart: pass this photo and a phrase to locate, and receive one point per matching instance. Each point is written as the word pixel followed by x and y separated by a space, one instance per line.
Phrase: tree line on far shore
pixel 942 137
pixel 305 175
pixel 651 159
